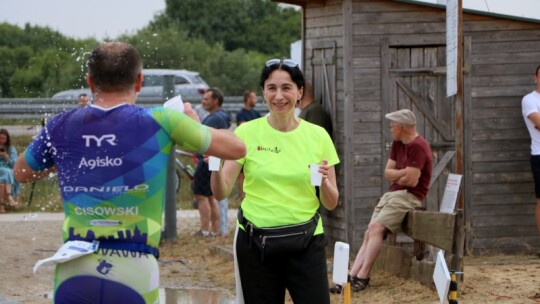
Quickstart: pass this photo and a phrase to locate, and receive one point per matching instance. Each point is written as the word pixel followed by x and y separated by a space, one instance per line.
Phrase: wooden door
pixel 323 77
pixel 414 77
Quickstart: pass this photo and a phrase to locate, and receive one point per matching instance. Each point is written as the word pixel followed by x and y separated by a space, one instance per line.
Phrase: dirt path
pixel 27 238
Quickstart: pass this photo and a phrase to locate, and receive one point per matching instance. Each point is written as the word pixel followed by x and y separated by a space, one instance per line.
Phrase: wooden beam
pixel 433 228
pixel 441 165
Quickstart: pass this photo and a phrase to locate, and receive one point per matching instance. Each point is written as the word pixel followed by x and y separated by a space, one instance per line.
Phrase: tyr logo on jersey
pixel 109 138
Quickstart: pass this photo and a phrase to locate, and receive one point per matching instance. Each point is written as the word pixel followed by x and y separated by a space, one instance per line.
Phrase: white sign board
pixel 441 277
pixel 451 192
pixel 341 263
pixel 452 14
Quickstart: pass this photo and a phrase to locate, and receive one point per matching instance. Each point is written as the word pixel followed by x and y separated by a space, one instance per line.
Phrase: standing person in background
pixel 280 198
pixel 209 209
pixel 111 159
pixel 84 100
pixel 8 185
pixel 245 114
pixel 248 112
pixel 530 106
pixel 408 169
pixel 313 111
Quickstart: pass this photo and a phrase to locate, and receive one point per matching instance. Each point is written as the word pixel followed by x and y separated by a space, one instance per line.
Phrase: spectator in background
pixel 248 112
pixel 313 111
pixel 530 106
pixel 118 202
pixel 408 169
pixel 84 100
pixel 209 209
pixel 8 186
pixel 245 114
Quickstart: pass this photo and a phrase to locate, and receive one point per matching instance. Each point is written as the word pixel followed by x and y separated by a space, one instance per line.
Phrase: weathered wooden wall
pixel 322 24
pixel 500 60
pixel 500 206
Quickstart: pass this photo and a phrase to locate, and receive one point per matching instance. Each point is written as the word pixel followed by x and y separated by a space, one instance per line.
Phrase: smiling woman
pixel 98 19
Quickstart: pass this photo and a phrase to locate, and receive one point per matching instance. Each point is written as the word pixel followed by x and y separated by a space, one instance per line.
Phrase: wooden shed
pixel 370 57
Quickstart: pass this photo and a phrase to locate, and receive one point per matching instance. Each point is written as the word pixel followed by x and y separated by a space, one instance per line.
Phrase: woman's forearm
pixel 329 194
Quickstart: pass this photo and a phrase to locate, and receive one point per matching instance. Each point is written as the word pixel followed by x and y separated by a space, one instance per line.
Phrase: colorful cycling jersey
pixel 112 168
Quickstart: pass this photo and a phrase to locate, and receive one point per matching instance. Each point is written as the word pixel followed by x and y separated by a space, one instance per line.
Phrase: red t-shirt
pixel 414 154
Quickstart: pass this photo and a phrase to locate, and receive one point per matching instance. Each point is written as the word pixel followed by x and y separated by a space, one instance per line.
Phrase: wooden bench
pixel 442 230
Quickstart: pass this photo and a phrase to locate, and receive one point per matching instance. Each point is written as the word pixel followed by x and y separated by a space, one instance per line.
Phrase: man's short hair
pixel 114 66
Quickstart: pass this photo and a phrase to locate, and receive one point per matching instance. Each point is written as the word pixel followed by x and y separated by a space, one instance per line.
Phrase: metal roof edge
pixel 472 11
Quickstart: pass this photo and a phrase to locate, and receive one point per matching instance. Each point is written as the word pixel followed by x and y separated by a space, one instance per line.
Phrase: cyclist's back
pixel 111 159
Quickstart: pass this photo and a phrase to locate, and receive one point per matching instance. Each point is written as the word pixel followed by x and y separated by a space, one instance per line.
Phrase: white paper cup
pixel 316 176
pixel 175 103
pixel 214 163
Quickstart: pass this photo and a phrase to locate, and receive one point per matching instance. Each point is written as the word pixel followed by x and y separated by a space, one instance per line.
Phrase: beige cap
pixel 403 116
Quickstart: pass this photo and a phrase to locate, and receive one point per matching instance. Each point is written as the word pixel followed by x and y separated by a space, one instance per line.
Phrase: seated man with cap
pixel 409 171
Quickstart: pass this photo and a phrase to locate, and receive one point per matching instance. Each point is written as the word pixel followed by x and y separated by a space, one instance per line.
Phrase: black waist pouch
pixel 280 240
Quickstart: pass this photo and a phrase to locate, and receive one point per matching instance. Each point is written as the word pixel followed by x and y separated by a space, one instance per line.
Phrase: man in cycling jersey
pixel 111 158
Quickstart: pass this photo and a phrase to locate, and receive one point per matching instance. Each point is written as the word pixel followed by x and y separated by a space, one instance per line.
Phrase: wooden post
pixel 169 232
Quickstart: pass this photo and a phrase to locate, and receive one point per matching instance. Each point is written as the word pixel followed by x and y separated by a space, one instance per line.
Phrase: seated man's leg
pixel 387 216
pixel 359 260
pixel 376 234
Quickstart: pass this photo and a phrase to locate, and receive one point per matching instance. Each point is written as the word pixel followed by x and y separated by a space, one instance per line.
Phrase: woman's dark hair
pixel 114 66
pixel 295 73
pixel 8 138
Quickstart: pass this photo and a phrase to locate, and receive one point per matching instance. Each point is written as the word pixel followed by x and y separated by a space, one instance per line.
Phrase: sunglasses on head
pixel 288 62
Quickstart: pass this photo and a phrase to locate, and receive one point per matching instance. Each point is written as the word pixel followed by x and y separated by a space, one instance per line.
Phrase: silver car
pixel 187 84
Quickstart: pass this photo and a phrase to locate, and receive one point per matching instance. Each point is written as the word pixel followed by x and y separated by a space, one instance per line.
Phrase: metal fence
pixel 36 108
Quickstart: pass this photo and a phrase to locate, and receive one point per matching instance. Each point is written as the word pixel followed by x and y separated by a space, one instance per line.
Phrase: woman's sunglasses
pixel 288 62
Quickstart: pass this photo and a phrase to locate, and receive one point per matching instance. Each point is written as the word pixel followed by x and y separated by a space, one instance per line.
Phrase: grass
pixel 44 195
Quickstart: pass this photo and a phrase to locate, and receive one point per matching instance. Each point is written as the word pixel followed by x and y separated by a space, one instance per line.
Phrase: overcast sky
pixel 111 18
pixel 520 8
pixel 83 19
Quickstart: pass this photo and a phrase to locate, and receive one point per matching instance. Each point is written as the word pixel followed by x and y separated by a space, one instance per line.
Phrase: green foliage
pixel 226 41
pixel 38 62
pixel 258 25
pixel 166 47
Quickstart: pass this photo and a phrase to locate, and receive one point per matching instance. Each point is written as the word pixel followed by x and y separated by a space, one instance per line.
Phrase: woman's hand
pixel 329 194
pixel 323 169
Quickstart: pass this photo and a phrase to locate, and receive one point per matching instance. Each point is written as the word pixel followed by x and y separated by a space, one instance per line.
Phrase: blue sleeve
pixel 40 153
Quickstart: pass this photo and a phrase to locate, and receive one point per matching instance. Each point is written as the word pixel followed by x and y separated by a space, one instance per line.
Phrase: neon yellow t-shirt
pixel 277 182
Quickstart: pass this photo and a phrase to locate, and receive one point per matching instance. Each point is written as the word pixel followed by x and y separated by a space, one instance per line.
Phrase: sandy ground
pixel 207 263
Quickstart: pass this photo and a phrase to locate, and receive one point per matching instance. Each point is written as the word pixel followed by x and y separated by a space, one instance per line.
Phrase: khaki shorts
pixel 392 208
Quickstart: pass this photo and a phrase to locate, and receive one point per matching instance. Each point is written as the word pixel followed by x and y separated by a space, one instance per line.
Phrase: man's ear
pixel 90 82
pixel 138 82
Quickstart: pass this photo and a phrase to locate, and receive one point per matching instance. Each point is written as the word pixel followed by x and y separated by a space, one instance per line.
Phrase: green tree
pixel 167 47
pixel 37 61
pixel 258 25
